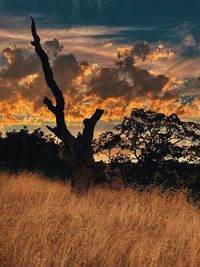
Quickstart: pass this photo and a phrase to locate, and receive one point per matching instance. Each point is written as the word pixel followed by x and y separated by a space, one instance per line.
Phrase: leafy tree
pixel 152 137
pixel 105 145
pixel 148 138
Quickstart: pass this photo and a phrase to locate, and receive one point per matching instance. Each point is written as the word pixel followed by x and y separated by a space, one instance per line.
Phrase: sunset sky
pixel 109 54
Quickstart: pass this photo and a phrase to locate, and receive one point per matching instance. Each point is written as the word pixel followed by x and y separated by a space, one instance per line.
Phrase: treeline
pixel 145 148
pixel 32 151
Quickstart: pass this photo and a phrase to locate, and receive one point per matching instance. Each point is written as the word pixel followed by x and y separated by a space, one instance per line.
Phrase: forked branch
pixel 89 125
pixel 60 103
pixel 58 110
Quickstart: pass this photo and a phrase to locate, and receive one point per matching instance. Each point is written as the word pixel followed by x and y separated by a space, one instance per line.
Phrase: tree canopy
pixel 148 136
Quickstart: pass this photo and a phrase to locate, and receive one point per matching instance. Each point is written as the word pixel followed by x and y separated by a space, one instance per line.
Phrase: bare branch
pixel 58 110
pixel 88 131
pixel 60 103
pixel 49 104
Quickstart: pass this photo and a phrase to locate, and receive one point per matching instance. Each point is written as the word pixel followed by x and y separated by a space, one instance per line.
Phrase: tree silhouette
pixel 19 151
pixel 148 139
pixel 152 137
pixel 77 150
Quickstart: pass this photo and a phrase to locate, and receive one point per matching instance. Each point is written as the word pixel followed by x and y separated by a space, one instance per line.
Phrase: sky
pixel 110 54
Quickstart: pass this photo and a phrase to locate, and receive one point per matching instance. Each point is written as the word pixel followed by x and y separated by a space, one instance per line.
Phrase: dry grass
pixel 43 224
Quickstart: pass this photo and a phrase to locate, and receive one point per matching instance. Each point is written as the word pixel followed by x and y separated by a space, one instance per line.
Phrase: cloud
pixel 189 40
pixel 53 47
pixel 86 86
pixel 190 87
pixel 66 69
pixel 22 84
pixel 161 74
pixel 141 50
pixel 143 81
pixel 108 84
pixel 20 63
pixel 185 31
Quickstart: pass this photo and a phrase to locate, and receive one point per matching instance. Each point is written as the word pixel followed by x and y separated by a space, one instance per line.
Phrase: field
pixel 42 224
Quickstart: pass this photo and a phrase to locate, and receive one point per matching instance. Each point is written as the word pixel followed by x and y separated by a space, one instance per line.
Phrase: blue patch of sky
pixel 109 12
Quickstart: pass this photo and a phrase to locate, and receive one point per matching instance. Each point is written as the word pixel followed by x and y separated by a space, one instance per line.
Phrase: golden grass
pixel 42 224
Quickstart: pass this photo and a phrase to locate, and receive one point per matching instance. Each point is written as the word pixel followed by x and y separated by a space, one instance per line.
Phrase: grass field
pixel 42 224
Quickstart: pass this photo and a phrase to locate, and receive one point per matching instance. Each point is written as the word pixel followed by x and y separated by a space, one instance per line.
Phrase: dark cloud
pixel 141 50
pixel 190 88
pixel 128 80
pixel 53 47
pixel 143 81
pixel 66 68
pixel 146 82
pixel 19 63
pixel 109 85
pixel 192 83
pixel 5 91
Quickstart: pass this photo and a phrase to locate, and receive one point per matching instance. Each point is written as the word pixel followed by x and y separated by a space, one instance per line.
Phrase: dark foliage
pixel 150 147
pixel 33 151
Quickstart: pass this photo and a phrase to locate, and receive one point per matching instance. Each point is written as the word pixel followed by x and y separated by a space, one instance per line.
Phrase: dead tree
pixel 77 150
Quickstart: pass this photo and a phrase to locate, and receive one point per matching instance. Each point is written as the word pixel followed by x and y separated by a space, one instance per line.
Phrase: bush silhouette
pixel 34 151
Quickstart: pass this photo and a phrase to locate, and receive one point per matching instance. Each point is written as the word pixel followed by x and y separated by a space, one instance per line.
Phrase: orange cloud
pixel 116 89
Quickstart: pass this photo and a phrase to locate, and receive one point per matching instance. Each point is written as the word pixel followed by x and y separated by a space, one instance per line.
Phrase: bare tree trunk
pixel 78 150
pixel 83 179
